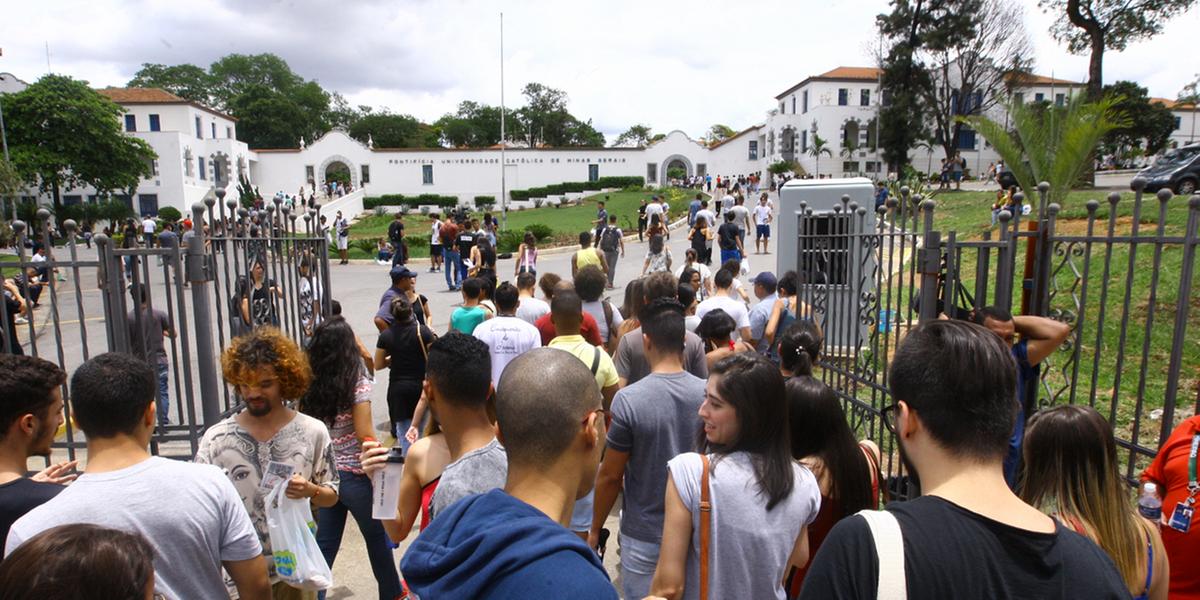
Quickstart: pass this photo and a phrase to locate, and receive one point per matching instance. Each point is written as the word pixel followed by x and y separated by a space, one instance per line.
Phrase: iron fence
pixel 205 287
pixel 1119 273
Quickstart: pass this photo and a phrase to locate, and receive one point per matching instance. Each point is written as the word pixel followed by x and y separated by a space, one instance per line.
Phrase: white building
pixel 1187 125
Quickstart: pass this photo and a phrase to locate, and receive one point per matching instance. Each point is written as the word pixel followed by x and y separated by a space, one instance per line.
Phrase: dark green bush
pixel 510 240
pixel 169 214
pixel 539 231
pixel 558 189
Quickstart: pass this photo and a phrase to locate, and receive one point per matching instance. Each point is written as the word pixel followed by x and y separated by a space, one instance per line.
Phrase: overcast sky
pixel 671 65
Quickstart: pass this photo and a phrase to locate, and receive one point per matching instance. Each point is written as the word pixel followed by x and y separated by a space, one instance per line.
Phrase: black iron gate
pixel 1119 273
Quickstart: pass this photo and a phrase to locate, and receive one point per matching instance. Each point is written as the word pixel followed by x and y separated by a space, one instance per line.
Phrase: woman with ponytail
pixel 787 310
pixel 799 348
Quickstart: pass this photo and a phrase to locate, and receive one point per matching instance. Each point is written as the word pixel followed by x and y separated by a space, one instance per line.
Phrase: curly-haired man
pixel 269 444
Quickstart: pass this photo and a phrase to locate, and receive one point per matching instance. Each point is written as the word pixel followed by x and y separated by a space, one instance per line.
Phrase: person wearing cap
pixel 765 286
pixel 404 283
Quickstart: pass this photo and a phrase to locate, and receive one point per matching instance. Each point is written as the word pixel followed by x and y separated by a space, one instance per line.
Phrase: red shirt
pixel 589 330
pixel 1170 472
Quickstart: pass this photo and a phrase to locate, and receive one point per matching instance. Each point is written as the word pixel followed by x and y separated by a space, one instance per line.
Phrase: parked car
pixel 1177 170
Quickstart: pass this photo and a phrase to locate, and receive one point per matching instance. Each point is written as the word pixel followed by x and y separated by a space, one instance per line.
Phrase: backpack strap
pixel 608 318
pixel 705 525
pixel 889 547
pixel 595 360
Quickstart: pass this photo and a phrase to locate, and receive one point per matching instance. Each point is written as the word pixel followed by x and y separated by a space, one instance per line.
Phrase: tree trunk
pixel 1096 66
pixel 57 198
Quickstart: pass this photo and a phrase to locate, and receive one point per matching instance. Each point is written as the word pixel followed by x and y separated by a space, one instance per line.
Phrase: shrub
pixel 368 246
pixel 169 214
pixel 416 241
pixel 540 231
pixel 537 202
pixel 509 240
pixel 558 189
pixel 485 202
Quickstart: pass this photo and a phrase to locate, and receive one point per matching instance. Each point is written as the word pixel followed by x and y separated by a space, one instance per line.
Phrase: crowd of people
pixel 696 403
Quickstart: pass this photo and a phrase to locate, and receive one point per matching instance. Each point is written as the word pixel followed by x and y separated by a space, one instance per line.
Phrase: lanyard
pixel 1193 484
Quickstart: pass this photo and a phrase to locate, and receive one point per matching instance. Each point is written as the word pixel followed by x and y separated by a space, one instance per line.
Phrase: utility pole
pixel 503 141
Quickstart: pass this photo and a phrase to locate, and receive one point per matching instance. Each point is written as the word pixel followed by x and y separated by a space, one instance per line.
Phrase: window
pixel 701 169
pixel 966 139
pixel 793 104
pixel 1178 122
pixel 366 174
pixel 843 97
pixel 71 199
pixel 804 141
pixel 782 108
pixel 214 130
pixel 126 198
pixel 850 166
pixel 1019 97
pixel 825 249
pixel 218 174
pixel 229 132
pixel 153 167
pixel 872 166
pixel 202 171
pixel 593 172
pixel 130 123
pixel 308 174
pixel 753 153
pixel 154 123
pixel 864 98
pixel 651 172
pixel 1060 99
pixel 1039 97
pixel 148 204
pixel 427 174
pixel 199 132
pixel 804 101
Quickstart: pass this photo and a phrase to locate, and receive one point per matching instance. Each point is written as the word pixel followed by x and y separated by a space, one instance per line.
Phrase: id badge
pixel 1181 519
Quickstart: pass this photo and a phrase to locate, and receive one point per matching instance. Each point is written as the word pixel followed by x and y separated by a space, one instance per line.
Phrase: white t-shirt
pixel 202 524
pixel 148 225
pixel 653 208
pixel 435 239
pixel 762 214
pixel 701 268
pixel 735 309
pixel 531 309
pixel 726 202
pixel 708 216
pixel 507 338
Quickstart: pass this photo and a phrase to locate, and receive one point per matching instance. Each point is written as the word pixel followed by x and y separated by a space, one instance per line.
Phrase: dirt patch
pixel 1076 227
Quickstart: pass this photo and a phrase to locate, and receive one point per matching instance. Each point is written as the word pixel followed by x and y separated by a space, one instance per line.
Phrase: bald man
pixel 512 543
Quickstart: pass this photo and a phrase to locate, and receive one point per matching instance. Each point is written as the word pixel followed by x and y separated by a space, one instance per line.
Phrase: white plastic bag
pixel 745 265
pixel 298 559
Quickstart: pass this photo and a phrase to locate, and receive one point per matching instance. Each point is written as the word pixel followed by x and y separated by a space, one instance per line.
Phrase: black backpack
pixel 609 239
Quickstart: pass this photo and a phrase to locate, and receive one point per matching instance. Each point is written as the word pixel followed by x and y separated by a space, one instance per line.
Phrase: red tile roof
pixel 1174 104
pixel 1035 79
pixel 153 96
pixel 839 74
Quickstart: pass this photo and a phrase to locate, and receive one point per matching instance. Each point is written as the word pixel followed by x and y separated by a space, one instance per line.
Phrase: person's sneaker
pixel 21 320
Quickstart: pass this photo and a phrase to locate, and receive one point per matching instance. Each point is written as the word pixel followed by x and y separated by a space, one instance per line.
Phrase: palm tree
pixel 928 147
pixel 1048 143
pixel 818 147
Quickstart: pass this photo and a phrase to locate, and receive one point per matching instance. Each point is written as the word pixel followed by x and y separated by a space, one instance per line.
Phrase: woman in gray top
pixel 762 501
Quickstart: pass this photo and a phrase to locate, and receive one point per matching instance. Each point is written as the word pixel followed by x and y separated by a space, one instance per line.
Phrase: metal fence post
pixel 1181 319
pixel 199 274
pixel 930 263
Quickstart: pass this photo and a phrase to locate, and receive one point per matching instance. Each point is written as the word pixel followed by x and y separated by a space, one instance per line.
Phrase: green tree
pixel 818 147
pixel 62 134
pixel 10 185
pixel 186 81
pixel 781 167
pixel 1190 92
pixel 547 121
pixel 1150 125
pixel 475 125
pixel 638 135
pixel 1051 143
pixel 394 131
pixel 1093 26
pixel 718 133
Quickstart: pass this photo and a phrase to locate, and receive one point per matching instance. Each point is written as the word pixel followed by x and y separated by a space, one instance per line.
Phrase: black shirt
pixel 400 342
pixel 396 232
pixel 466 241
pixel 727 236
pixel 20 496
pixel 951 552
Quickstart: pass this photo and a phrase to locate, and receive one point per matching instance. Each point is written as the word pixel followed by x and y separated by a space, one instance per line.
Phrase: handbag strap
pixel 421 342
pixel 889 547
pixel 705 526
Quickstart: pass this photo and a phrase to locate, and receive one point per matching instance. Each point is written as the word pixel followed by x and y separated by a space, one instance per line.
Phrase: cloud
pixel 671 65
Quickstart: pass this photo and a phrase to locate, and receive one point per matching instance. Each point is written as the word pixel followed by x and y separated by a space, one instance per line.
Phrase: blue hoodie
pixel 495 546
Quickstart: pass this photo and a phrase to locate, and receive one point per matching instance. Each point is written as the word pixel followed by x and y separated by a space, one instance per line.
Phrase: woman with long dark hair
pixel 761 500
pixel 1071 473
pixel 80 561
pixel 527 255
pixel 341 398
pixel 716 331
pixel 799 348
pixel 403 349
pixel 658 256
pixel 847 470
pixel 631 308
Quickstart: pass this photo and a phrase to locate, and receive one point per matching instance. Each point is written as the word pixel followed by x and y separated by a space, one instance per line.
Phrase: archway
pixel 338 168
pixel 787 144
pixel 850 132
pixel 676 162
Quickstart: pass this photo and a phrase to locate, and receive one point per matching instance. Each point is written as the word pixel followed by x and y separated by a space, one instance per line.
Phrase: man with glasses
pixel 968 535
pixel 511 542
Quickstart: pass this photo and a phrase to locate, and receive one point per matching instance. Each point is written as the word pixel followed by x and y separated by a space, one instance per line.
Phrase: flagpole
pixel 503 143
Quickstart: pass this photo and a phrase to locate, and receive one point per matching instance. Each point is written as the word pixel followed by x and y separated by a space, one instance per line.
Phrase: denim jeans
pixel 402 428
pixel 581 515
pixel 164 394
pixel 730 255
pixel 450 266
pixel 354 497
pixel 1013 458
pixel 612 257
pixel 638 560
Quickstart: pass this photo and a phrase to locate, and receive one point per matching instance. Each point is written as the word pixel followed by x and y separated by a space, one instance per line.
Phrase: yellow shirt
pixel 585 257
pixel 606 371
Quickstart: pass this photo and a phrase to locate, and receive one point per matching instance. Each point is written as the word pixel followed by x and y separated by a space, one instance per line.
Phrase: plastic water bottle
pixel 385 486
pixel 1149 504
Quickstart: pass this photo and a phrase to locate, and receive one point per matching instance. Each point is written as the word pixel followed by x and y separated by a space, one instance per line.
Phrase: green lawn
pixel 565 222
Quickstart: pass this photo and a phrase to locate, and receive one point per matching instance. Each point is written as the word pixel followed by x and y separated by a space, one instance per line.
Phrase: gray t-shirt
pixel 532 309
pixel 596 309
pixel 631 362
pixel 475 472
pixel 740 215
pixel 189 513
pixel 749 546
pixel 653 420
pixel 147 344
pixel 760 315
